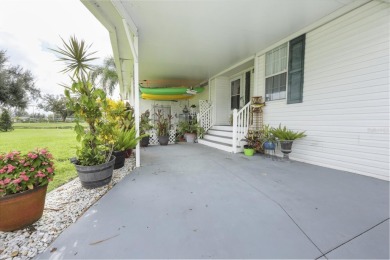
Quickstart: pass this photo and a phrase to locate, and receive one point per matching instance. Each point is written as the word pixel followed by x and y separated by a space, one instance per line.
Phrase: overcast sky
pixel 28 28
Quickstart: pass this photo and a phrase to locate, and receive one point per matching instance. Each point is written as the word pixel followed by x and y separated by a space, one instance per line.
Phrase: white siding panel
pixel 222 105
pixel 260 76
pixel 345 108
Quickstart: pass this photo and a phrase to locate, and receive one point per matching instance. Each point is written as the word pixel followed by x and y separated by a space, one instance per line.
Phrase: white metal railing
pixel 205 117
pixel 240 125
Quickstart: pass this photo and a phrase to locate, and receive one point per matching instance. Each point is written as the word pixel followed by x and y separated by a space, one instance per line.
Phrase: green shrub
pixel 5 121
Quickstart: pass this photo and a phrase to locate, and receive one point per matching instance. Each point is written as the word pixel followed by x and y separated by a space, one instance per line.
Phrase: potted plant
pixel 94 162
pixel 252 141
pixel 190 130
pixel 23 184
pixel 125 139
pixel 193 109
pixel 268 140
pixel 286 138
pixel 119 119
pixel 127 122
pixel 145 126
pixel 163 126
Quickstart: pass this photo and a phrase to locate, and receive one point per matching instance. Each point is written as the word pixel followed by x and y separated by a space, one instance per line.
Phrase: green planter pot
pixel 96 175
pixel 249 151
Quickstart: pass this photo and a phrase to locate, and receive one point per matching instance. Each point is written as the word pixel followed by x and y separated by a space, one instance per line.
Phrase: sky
pixel 28 28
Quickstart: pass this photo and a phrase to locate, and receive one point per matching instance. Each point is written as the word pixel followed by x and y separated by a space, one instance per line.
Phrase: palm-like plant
pixel 107 75
pixel 76 57
pixel 85 100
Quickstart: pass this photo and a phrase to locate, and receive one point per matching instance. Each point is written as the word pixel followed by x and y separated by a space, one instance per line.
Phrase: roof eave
pixel 123 59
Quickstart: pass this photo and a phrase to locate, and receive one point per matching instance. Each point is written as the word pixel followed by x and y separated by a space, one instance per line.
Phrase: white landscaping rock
pixel 63 206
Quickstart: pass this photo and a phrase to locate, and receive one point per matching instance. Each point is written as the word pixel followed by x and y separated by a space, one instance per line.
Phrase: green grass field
pixel 60 142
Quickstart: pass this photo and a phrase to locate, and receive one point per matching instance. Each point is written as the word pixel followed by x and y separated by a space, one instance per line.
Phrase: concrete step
pixel 217 145
pixel 219 139
pixel 222 127
pixel 221 133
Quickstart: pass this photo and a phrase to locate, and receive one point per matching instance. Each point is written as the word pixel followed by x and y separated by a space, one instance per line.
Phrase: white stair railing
pixel 205 117
pixel 240 125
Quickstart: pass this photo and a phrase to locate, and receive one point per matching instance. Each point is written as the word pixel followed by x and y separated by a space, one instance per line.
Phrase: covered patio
pixel 193 201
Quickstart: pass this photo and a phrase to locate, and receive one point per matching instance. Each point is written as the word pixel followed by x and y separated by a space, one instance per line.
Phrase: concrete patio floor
pixel 192 201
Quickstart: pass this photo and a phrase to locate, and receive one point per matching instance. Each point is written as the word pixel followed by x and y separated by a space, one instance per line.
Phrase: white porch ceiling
pixel 194 40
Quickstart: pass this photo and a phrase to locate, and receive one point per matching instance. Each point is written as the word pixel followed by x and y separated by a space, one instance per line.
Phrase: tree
pixel 56 104
pixel 107 75
pixel 20 112
pixel 16 84
pixel 5 121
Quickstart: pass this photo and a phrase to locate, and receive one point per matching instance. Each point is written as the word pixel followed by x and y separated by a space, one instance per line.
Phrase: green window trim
pixel 296 66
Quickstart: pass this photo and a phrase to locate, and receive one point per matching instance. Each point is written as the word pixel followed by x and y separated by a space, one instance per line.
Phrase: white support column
pixel 136 103
pixel 133 42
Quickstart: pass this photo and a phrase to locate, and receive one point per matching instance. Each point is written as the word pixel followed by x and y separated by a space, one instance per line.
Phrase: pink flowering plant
pixel 20 173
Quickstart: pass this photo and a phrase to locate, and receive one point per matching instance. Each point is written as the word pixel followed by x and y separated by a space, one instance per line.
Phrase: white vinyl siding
pixel 345 109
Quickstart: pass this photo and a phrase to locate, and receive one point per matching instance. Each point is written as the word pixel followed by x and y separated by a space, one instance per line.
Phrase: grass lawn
pixel 43 125
pixel 60 142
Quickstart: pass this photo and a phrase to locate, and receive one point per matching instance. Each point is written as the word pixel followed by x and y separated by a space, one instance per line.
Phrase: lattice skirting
pixel 153 140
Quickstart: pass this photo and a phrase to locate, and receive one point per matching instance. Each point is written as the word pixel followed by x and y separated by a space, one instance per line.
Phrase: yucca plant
pixel 87 101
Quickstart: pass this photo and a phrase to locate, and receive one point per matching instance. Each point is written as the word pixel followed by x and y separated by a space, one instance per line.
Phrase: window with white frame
pixel 276 73
pixel 284 71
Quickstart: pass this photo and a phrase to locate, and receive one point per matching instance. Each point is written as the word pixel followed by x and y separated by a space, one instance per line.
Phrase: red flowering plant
pixel 20 173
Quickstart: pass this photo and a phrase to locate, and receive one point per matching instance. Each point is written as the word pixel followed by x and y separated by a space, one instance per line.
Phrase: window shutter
pixel 296 70
pixel 247 86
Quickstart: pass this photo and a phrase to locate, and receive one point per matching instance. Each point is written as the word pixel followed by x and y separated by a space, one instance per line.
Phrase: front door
pixel 240 95
pixel 235 85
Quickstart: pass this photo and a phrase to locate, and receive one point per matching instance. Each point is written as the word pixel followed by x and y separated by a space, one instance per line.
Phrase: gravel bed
pixel 63 206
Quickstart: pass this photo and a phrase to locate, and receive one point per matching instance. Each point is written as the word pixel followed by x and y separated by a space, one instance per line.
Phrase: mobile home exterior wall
pixel 345 108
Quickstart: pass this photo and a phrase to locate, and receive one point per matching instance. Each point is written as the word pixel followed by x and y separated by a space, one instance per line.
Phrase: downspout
pixel 133 42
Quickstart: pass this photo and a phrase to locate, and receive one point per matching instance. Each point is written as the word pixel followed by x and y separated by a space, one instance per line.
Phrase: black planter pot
pixel 163 140
pixel 96 175
pixel 128 153
pixel 144 141
pixel 119 159
pixel 285 148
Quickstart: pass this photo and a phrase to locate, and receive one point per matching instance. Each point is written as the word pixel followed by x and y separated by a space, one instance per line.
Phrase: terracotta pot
pixel 22 209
